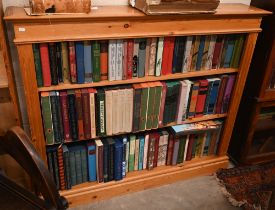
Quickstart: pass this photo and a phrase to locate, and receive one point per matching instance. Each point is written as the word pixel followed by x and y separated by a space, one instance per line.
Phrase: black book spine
pixel 72 116
pixel 105 162
pixel 59 62
pixel 50 163
pixel 100 113
pixel 178 54
pixel 53 67
pixel 111 162
pixel 56 170
pixel 84 164
pixel 67 170
pixel 59 118
pixel 136 116
pixel 189 101
pixel 78 166
pixel 55 119
pixel 210 86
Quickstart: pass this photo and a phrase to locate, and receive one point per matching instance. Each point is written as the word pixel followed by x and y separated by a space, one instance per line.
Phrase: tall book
pixel 112 60
pixel 72 60
pixel 156 150
pixel 109 111
pixel 66 163
pixel 96 60
pixel 47 117
pixel 162 148
pixel 99 160
pixel 175 150
pixel 217 51
pixel 124 59
pixel 86 113
pixel 211 50
pixel 111 155
pixel 53 63
pixel 141 57
pixel 151 151
pixel 193 99
pixel 220 96
pixel 227 93
pixel 203 90
pixel 178 55
pixel 130 50
pixel 162 104
pixel 159 52
pixel 125 153
pixel 238 49
pixel 145 151
pixel 37 63
pixel 119 59
pixel 65 62
pixel 79 113
pixel 144 105
pixel 167 55
pixel 187 54
pixel 65 116
pixel 205 52
pixel 59 62
pixel 201 53
pixel 92 93
pixel 105 160
pixel 104 60
pixel 194 52
pixel 212 95
pixel 135 58
pixel 141 152
pixel 91 147
pixel 100 113
pixel 157 104
pixel 45 64
pixel 132 142
pixel 152 56
pixel 182 142
pixel 118 159
pixel 84 163
pixel 79 51
pixel 88 65
pixel 72 114
pixel 150 106
pixel 170 148
pixel 182 101
pixel 229 51
pixel 136 154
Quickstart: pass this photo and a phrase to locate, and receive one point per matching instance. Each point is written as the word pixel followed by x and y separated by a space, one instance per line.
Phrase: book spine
pixel 152 56
pixel 227 93
pixel 143 108
pixel 47 118
pixel 141 58
pixel 193 100
pixel 88 65
pixel 203 89
pixel 189 148
pixel 187 54
pixel 111 162
pixel 200 53
pixel 141 152
pixel 99 159
pixel 136 154
pixel 167 56
pixel 78 166
pixel 127 155
pixel 135 58
pixel 37 63
pixel 86 114
pixel 145 151
pixel 211 50
pixel 150 107
pixel 194 52
pixel 220 96
pixel 132 153
pixel 92 161
pixel 72 60
pixel 229 52
pixel 65 115
pixel 124 155
pixel 159 53
pixel 66 162
pixel 156 150
pixel 84 165
pixel 178 56
pixel 105 162
pixel 100 110
pixel 205 52
pixel 136 109
pixel 45 64
pixel 147 57
pixel 79 113
pixel 157 106
pixel 119 59
pixel 170 149
pixel 217 52
pixel 103 60
pixel 72 115
pixel 65 62
pixel 213 97
pixel 72 167
pixel 96 60
pixel 59 62
pixel 61 168
pixel 112 60
pixel 130 50
pixel 238 54
pixel 162 105
pixel 118 157
pixel 182 97
pixel 56 168
pixel 92 115
pixel 124 60
pixel 109 112
pixel 55 117
pixel 53 65
pixel 175 150
pixel 151 152
pixel 182 142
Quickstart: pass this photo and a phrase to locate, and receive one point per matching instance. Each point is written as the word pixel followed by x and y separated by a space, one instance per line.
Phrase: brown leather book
pixel 170 150
pixel 86 113
pixel 61 168
pixel 79 114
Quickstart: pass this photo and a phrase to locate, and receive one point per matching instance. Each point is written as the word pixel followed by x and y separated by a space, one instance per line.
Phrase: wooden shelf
pixel 140 80
pixel 145 179
pixel 3 75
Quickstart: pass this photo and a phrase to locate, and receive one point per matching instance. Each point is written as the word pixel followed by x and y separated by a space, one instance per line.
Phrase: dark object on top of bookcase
pixel 253 139
pixel 158 7
pixel 17 144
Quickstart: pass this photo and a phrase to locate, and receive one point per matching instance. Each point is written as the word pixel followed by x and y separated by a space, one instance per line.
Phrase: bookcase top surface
pixel 18 14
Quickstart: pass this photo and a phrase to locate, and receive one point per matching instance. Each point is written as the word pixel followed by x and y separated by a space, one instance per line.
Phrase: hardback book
pixel 92 154
pixel 84 163
pixel 186 146
pixel 111 152
pixel 159 52
pixel 100 113
pixel 182 142
pixel 99 160
pixel 229 51
pixel 144 105
pixel 72 164
pixel 157 104
pixel 190 146
pixel 193 99
pixel 156 150
pixel 182 101
pixel 162 104
pixel 130 50
pixel 178 55
pixel 105 160
pixel 135 58
pixel 37 63
pixel 121 103
pixel 141 152
pixel 141 57
pixel 53 164
pixel 129 98
pixel 119 59
pixel 152 56
pixel 204 136
pixel 118 159
pixel 61 168
pixel 76 150
pixel 66 163
pixel 238 49
pixel 136 154
pixel 72 60
pixel 59 62
pixel 167 55
pixel 222 87
pixel 211 50
pixel 72 114
pixel 45 64
pixel 193 153
pixel 88 65
pixel 194 52
pixel 86 113
pixel 212 95
pixel 47 117
pixel 136 106
pixel 53 63
pixel 170 149
pixel 151 151
pixel 227 93
pixel 96 61
pixel 205 52
pixel 187 54
pixel 217 51
pixel 203 90
pixel 125 153
pixel 223 51
pixel 79 114
pixel 109 111
pixel 124 59
pixel 187 99
pixel 175 150
pixel 79 51
pixel 147 57
pixel 104 60
pixel 199 145
pixel 65 116
pixel 56 117
pixel 132 142
pixel 145 151
pixel 162 149
pixel 65 62
pixel 200 53
pixel 92 93
pixel 112 60
pixel 151 105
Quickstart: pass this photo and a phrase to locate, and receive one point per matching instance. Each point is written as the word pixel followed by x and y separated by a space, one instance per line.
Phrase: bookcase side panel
pixel 32 98
pixel 237 93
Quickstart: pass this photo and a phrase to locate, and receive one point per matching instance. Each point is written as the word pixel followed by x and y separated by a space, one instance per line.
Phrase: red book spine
pixel 61 168
pixel 171 54
pixel 72 62
pixel 163 96
pixel 165 56
pixel 217 52
pixel 156 152
pixel 65 115
pixel 201 98
pixel 190 146
pixel 100 164
pixel 86 113
pixel 125 59
pixel 104 60
pixel 130 52
pixel 45 64
pixel 79 111
pixel 170 150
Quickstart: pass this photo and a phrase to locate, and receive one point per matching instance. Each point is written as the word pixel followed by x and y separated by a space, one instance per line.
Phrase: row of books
pixel 73 115
pixel 108 159
pixel 93 61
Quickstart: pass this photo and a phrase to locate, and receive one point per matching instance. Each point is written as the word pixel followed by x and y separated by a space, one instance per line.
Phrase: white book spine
pixel 152 56
pixel 120 110
pixel 119 59
pixel 129 116
pixel 135 58
pixel 109 112
pixel 187 54
pixel 92 114
pixel 212 43
pixel 165 145
pixel 159 56
pixel 188 89
pixel 160 151
pixel 127 155
pixel 136 154
pixel 125 110
pixel 185 149
pixel 115 111
pixel 181 101
pixel 145 151
pixel 112 60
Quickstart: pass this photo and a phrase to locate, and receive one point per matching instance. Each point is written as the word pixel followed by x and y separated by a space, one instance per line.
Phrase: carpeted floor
pixel 202 193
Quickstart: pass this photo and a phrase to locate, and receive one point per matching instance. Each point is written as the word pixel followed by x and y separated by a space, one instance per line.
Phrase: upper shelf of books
pixel 125 22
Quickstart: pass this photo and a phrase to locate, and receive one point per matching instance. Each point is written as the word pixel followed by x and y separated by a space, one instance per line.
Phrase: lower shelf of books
pixel 145 179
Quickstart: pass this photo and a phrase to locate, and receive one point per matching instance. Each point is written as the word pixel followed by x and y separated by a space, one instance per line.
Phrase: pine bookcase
pixel 115 22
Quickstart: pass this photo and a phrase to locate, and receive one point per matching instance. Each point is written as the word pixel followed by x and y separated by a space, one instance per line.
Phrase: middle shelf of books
pixel 110 107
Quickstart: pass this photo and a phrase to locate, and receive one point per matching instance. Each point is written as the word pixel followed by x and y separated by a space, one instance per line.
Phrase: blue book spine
pixel 229 53
pixel 105 161
pixel 213 97
pixel 200 53
pixel 118 157
pixel 124 142
pixel 92 161
pixel 141 151
pixel 88 62
pixel 79 50
pixel 207 144
pixel 210 86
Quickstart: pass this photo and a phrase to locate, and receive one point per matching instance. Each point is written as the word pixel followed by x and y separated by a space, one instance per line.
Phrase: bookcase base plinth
pixel 142 180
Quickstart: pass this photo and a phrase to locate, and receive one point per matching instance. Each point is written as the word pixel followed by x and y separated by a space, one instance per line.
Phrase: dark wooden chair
pixel 12 196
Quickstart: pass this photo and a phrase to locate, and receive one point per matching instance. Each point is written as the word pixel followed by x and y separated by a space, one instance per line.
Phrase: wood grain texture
pixel 237 92
pixel 140 80
pixel 32 98
pixel 141 180
pixel 3 75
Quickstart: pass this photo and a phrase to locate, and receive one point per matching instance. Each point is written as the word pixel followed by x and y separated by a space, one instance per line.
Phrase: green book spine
pixel 237 57
pixel 143 108
pixel 199 145
pixel 65 62
pixel 181 149
pixel 96 61
pixel 100 113
pixel 158 96
pixel 47 117
pixel 131 163
pixel 37 63
pixel 224 50
pixel 72 168
pixel 151 107
pixel 84 164
pixel 236 46
pixel 77 155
